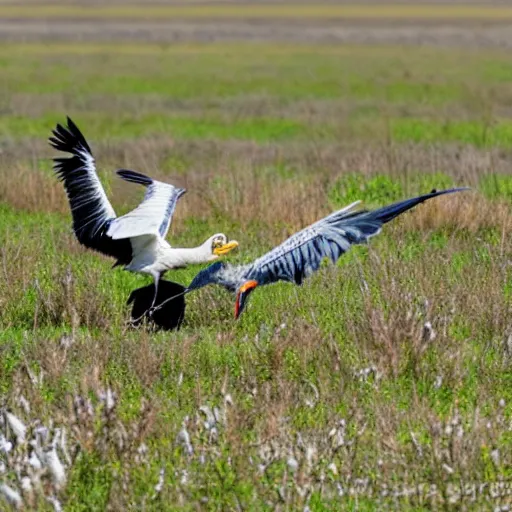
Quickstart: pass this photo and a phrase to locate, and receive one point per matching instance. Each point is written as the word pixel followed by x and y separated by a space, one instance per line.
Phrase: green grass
pixel 226 92
pixel 260 129
pixel 494 134
pixel 266 139
pixel 266 11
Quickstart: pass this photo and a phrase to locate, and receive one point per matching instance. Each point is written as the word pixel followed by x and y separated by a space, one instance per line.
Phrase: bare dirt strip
pixel 412 32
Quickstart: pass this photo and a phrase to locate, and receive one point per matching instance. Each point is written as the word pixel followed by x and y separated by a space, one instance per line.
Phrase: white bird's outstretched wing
pixel 91 210
pixel 153 216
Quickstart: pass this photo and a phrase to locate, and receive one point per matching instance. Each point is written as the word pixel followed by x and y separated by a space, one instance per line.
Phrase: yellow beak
pixel 224 249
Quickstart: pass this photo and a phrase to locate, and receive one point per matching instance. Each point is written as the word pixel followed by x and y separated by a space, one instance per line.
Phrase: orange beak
pixel 242 294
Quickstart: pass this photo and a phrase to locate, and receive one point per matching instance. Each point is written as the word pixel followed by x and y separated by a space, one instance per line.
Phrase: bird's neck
pixel 187 256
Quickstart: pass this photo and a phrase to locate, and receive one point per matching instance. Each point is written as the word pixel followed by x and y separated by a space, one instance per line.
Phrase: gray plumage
pixel 301 254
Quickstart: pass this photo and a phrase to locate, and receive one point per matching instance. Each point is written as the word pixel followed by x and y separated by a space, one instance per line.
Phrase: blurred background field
pixel 383 382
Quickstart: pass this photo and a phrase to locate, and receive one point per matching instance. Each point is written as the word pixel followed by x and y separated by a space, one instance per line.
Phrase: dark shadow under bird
pixel 169 316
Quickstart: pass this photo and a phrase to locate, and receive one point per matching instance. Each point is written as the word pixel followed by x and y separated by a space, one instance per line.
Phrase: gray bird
pixel 301 254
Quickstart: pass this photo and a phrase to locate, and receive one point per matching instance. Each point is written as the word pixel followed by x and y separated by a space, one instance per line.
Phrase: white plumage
pixel 137 239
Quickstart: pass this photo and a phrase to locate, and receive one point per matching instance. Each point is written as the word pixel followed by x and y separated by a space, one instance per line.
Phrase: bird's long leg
pixel 149 312
pixel 152 307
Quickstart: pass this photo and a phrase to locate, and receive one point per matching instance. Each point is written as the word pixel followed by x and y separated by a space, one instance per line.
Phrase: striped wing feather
pixel 301 255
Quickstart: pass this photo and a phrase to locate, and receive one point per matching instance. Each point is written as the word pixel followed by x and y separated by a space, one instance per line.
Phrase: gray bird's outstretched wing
pixel 301 254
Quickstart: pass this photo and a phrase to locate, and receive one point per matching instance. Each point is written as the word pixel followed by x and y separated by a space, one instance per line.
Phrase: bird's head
pixel 242 295
pixel 218 245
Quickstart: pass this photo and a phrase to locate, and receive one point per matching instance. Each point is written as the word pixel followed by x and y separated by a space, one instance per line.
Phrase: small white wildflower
pixel 311 402
pixel 63 444
pixel 66 341
pixel 184 440
pixel 53 463
pixel 36 380
pixel 292 464
pixel 501 403
pixel 417 445
pixel 34 461
pixel 26 484
pixel 5 446
pixel 332 468
pixel 210 418
pixel 310 454
pixel 448 469
pixel 184 477
pixel 214 434
pixel 55 502
pixel 11 495
pixel 24 404
pixel 219 415
pixel 438 382
pixel 41 433
pixel 160 485
pixel 109 398
pixel 17 426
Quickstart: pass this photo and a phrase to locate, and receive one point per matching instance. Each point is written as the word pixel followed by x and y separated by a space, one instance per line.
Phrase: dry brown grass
pixel 383 382
pixel 237 181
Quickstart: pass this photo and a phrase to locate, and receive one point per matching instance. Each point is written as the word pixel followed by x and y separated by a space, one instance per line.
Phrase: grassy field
pixel 384 382
pixel 272 11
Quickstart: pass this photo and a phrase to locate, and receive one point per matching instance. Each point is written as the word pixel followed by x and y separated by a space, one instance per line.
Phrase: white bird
pixel 137 239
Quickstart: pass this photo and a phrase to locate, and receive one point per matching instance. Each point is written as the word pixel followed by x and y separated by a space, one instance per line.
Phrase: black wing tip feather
pixel 68 138
pixel 434 192
pixel 388 213
pixel 135 177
